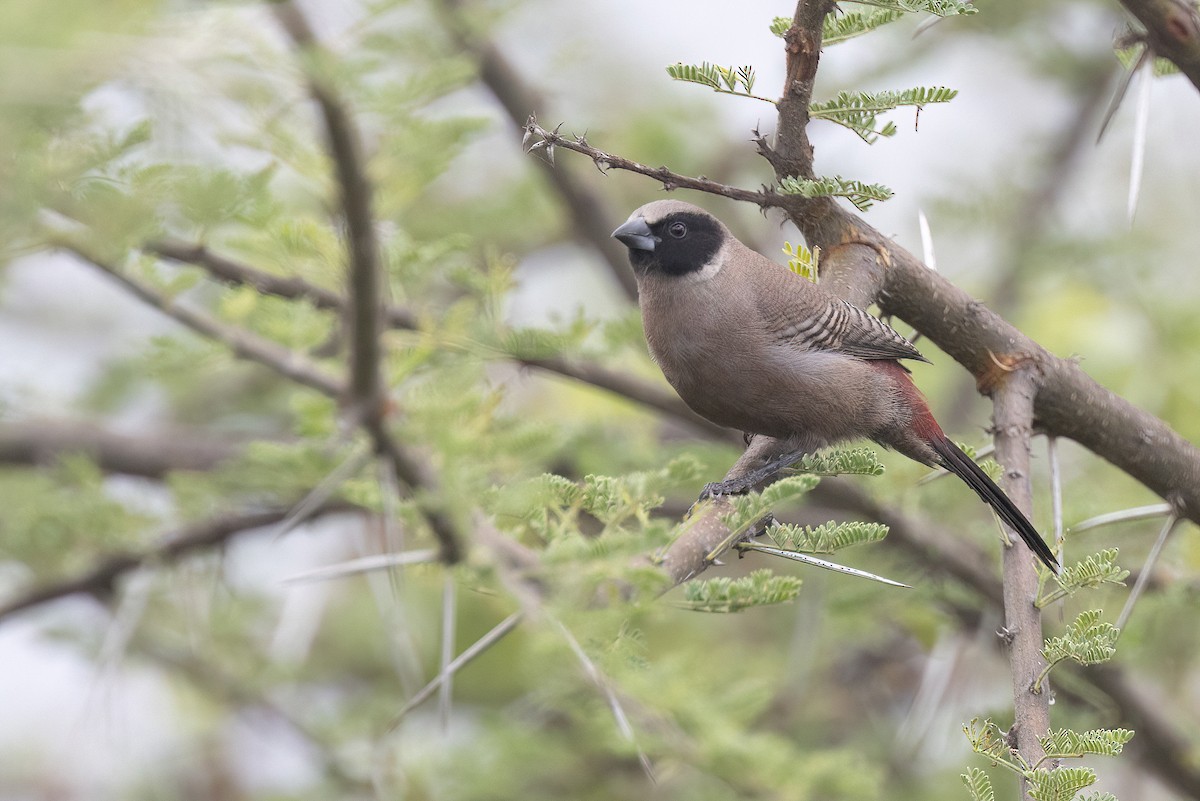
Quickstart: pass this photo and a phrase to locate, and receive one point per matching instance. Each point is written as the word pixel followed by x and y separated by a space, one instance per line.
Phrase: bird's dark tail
pixel 963 466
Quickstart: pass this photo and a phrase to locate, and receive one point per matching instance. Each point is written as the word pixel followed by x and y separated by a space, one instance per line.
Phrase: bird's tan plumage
pixel 751 345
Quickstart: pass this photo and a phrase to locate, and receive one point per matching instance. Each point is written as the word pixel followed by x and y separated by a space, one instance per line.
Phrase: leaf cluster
pixel 859 111
pixel 862 195
pixel 760 588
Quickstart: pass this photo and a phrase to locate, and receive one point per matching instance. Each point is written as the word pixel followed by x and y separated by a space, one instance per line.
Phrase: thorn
pixel 557 128
pixel 550 154
pixel 1006 635
pixel 525 140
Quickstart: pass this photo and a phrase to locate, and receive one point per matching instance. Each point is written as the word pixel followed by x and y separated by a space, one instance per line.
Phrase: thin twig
pixel 236 273
pixel 543 138
pixel 365 279
pixel 614 703
pixel 243 343
pixel 101 580
pixel 365 564
pixel 1147 569
pixel 449 624
pixel 1125 515
pixel 453 666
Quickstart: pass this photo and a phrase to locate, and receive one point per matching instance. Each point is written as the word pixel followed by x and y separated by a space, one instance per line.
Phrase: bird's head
pixel 673 238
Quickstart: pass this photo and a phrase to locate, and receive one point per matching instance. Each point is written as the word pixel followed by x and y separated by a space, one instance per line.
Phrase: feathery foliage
pixel 760 588
pixel 862 195
pixel 979 785
pixel 939 8
pixel 989 740
pixel 728 80
pixel 841 462
pixel 826 538
pixel 859 111
pixel 1060 784
pixel 1087 640
pixel 1090 572
pixel 1067 744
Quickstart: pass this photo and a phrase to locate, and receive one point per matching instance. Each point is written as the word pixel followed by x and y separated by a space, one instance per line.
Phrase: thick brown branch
pixel 1022 619
pixel 1173 32
pixel 290 365
pixel 101 580
pixel 38 442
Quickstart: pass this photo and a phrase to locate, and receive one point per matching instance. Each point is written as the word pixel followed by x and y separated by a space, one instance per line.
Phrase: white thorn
pixel 926 241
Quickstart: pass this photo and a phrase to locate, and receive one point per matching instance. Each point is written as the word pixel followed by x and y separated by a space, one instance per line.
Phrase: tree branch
pixel 1172 31
pixel 547 140
pixel 364 308
pixel 38 442
pixel 287 363
pixel 1022 620
pixel 101 580
pixel 625 385
pixel 364 311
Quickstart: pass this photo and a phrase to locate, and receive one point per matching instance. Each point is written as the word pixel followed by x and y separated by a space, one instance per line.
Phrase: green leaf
pixel 939 8
pixel 1061 784
pixel 855 462
pixel 863 196
pixel 1091 572
pixel 803 262
pixel 760 588
pixel 978 785
pixel 989 740
pixel 827 537
pixel 728 80
pixel 750 508
pixel 859 111
pixel 1087 640
pixel 839 28
pixel 1128 56
pixel 1064 743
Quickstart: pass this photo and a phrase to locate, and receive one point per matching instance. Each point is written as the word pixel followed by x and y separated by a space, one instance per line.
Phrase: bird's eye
pixel 677 230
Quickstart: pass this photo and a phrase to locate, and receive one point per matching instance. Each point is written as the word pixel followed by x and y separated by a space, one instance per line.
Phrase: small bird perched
pixel 751 345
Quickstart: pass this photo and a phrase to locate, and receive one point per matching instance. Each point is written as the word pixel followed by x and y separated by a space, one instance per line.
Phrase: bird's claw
pixel 716 489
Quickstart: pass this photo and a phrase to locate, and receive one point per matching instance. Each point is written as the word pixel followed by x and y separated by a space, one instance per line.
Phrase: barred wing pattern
pixel 847 329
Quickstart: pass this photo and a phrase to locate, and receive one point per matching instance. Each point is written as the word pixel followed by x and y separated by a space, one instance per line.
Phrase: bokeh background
pixel 215 676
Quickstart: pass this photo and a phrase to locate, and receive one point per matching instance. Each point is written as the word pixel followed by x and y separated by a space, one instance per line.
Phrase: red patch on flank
pixel 923 422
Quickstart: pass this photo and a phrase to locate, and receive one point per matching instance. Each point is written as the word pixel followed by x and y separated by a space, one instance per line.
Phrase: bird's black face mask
pixel 678 244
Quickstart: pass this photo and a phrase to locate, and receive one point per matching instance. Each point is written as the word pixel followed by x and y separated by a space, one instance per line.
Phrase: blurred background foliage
pixel 125 124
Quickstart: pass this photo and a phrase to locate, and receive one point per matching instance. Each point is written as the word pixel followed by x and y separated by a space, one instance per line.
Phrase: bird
pixel 751 345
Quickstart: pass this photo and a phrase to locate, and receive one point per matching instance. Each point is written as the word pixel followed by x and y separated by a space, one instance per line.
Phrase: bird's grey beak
pixel 636 235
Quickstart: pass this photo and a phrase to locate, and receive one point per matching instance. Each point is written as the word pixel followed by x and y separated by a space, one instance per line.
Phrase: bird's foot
pixel 748 481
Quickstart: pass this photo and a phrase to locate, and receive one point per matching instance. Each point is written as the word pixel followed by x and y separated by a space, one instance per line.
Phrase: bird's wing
pixel 818 321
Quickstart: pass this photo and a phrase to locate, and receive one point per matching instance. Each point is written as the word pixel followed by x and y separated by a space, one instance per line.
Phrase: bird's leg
pixel 751 479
